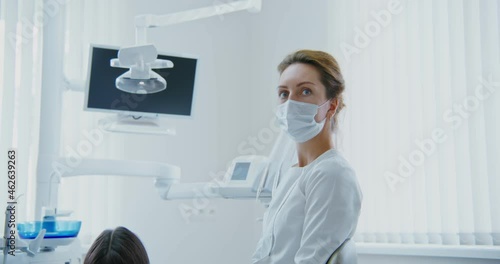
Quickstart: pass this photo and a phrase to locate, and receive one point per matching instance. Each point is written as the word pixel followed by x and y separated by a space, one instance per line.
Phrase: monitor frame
pixel 138 113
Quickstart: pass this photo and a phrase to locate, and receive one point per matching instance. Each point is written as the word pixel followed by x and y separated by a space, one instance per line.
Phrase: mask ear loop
pixel 320 110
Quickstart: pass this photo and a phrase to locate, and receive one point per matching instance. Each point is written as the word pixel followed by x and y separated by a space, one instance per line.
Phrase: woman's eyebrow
pixel 301 83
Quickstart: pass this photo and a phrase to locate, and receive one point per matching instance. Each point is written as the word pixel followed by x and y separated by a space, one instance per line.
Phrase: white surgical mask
pixel 297 119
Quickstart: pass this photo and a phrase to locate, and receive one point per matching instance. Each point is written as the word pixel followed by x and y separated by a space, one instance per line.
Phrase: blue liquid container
pixel 55 229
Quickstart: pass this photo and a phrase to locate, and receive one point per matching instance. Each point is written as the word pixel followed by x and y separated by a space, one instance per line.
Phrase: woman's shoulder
pixel 333 175
pixel 333 160
pixel 334 167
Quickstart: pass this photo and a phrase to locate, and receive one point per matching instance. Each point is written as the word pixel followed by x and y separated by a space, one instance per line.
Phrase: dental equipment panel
pixel 245 178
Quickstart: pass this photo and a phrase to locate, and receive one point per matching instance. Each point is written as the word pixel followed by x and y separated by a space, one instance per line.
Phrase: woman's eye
pixel 306 92
pixel 283 94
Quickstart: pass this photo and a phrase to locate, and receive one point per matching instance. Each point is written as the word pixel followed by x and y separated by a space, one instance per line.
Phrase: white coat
pixel 314 209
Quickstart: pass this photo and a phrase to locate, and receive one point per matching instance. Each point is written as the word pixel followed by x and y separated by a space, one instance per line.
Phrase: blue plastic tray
pixel 55 229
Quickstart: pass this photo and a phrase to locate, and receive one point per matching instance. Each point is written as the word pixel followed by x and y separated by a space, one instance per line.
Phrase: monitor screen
pixel 176 99
pixel 240 171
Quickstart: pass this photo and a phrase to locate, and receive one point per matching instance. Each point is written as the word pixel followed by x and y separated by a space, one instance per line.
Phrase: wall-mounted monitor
pixel 176 100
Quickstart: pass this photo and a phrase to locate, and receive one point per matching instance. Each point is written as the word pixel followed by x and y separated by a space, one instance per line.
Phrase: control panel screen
pixel 240 172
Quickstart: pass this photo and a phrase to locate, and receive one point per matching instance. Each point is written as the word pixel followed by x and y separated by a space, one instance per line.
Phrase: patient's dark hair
pixel 118 246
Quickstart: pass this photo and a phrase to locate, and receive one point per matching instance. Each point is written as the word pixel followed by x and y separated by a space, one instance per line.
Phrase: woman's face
pixel 301 82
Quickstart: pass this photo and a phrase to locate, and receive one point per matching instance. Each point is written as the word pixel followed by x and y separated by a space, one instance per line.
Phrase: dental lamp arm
pixel 151 21
pixel 142 22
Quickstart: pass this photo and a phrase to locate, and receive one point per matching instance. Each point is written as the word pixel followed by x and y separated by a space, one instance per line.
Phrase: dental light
pixel 140 78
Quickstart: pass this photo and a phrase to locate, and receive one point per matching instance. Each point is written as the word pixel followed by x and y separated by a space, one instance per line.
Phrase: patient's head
pixel 118 246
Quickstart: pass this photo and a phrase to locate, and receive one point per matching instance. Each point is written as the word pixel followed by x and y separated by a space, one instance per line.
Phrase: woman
pixel 316 204
pixel 118 246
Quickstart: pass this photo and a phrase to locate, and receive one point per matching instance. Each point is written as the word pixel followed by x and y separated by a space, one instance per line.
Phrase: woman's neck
pixel 308 151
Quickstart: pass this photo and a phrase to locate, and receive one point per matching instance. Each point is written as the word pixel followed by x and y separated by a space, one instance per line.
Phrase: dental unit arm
pixel 167 178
